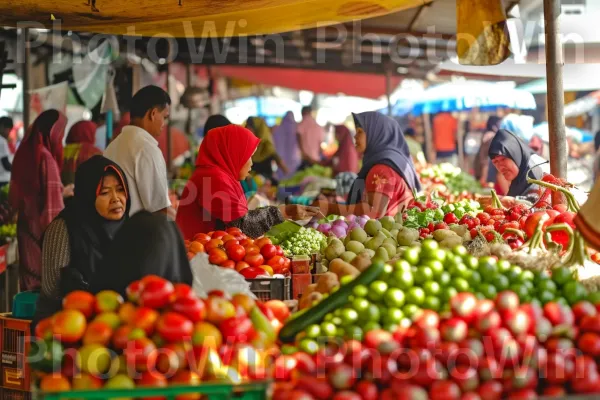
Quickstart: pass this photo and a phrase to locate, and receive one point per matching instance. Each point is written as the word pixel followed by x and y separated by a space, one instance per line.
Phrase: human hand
pixel 69 191
pixel 297 212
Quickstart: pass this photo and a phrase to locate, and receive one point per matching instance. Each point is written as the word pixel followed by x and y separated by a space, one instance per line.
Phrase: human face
pixel 507 167
pixel 112 199
pixel 157 119
pixel 361 140
pixel 245 171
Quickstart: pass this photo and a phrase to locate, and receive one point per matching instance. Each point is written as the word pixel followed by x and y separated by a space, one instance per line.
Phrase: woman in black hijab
pixel 147 244
pixel 77 240
pixel 215 121
pixel 513 159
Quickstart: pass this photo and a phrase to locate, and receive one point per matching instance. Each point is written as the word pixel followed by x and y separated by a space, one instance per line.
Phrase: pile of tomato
pixel 232 249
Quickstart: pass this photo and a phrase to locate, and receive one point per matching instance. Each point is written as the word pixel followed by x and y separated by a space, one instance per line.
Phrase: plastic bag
pixel 209 277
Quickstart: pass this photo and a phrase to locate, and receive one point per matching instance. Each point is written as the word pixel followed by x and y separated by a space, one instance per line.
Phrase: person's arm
pixel 152 182
pixel 257 222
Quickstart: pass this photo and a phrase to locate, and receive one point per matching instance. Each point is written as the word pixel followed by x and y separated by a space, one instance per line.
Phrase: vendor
pixel 387 179
pixel 345 158
pixel 513 158
pixel 147 244
pixel 265 154
pixel 76 241
pixel 213 197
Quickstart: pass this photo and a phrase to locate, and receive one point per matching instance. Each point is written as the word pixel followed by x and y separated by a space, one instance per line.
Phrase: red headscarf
pixel 214 191
pixel 347 157
pixel 44 136
pixel 82 132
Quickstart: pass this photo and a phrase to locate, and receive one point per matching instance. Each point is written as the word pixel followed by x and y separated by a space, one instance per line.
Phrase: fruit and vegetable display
pixel 449 181
pixel 232 249
pixel 163 335
pixel 300 176
pixel 8 227
pixel 303 242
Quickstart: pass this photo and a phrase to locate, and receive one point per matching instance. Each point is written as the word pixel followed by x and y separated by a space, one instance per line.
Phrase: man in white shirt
pixel 137 153
pixel 6 125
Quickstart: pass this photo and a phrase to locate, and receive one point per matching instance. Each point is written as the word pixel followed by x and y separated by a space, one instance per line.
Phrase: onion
pixel 339 231
pixel 351 218
pixel 324 228
pixel 353 225
pixel 314 225
pixel 341 223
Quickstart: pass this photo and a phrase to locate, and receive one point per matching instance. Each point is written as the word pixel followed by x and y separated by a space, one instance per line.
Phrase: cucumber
pixel 336 300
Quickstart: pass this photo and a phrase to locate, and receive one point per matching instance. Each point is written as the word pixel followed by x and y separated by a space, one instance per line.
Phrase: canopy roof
pixel 194 18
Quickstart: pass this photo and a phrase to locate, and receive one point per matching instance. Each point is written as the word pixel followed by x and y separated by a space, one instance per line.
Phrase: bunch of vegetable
pixel 305 241
pixel 450 182
pixel 426 217
pixel 339 226
pixel 314 170
pixel 7 232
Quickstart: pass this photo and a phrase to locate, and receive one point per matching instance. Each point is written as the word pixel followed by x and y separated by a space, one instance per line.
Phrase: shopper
pixel 265 154
pixel 387 178
pixel 414 146
pixel 77 240
pixel 286 144
pixel 445 130
pixel 310 137
pixel 6 125
pixel 36 191
pixel 345 158
pixel 80 147
pixel 213 197
pixel 485 172
pixel 514 159
pixel 136 151
pixel 147 244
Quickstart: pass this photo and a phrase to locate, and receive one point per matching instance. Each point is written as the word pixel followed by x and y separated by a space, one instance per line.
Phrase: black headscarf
pixel 147 244
pixel 507 144
pixel 89 233
pixel 215 121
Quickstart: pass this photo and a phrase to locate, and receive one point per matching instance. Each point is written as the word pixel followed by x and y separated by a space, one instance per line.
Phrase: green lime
pixel 487 271
pixel 513 274
pixel 412 255
pixel 460 251
pixel 376 290
pixel 546 284
pixel 545 296
pixel 542 276
pixel 574 292
pixel 403 279
pixel 471 261
pixel 503 265
pixel 405 323
pixel 360 291
pixel 460 284
pixel 429 249
pixel 371 326
pixel 337 313
pixel 452 260
pixel 313 331
pixel 349 316
pixel 520 290
pixel 526 276
pixel 402 265
pixel 436 267
pixel 394 298
pixel 447 294
pixel 360 305
pixel 563 301
pixel 328 317
pixel 390 327
pixel 308 346
pixel 423 275
pixel 411 310
pixel 346 279
pixel 594 298
pixel 340 332
pixel 354 332
pixel 444 278
pixel 337 321
pixel 562 275
pixel 529 285
pixel 372 313
pixel 432 303
pixel 460 271
pixel 488 290
pixel 393 315
pixel 501 282
pixel 415 295
pixel 480 296
pixel 475 278
pixel 288 349
pixel 387 272
pixel 328 329
pixel 437 255
pixel 432 288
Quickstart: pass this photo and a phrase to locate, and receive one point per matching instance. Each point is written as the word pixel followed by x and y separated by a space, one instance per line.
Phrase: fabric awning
pixel 325 82
pixel 194 18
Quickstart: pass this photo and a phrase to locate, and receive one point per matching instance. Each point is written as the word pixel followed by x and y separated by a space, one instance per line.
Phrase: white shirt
pixel 4 152
pixel 137 153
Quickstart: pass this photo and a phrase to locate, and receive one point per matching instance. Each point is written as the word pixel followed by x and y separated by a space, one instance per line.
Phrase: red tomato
pixel 151 379
pixel 237 330
pixel 491 390
pixel 440 226
pixel 218 234
pixel 254 260
pixel 533 220
pixel 318 388
pixel 174 327
pixel 589 343
pixel 268 251
pixel 183 290
pixel 489 236
pixel 276 262
pixel 561 208
pixel 236 252
pixel 367 390
pixel 157 293
pixel 230 243
pixel 262 242
pixel 450 219
pixel 228 264
pixel 241 265
pixel 252 272
pixel 279 251
pixel 217 256
pixel 483 218
pixel 188 378
pixel 444 390
pixel 68 326
pixel 191 307
pixel 566 217
pixel 80 300
pixel 252 249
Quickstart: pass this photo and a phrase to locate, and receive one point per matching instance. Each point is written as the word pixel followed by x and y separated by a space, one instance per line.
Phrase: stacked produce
pixel 339 226
pixel 300 176
pixel 8 227
pixel 164 335
pixel 232 249
pixel 304 242
pixel 480 349
pixel 449 181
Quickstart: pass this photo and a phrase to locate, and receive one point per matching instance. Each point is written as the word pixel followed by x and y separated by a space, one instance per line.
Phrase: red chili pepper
pixel 483 217
pixel 490 236
pixel 473 233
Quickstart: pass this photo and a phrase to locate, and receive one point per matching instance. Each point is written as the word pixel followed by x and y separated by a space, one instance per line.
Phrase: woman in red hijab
pixel 81 146
pixel 36 191
pixel 213 197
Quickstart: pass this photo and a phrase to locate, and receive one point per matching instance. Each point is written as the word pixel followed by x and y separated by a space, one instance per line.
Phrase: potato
pixel 361 262
pixel 451 242
pixel 327 282
pixel 460 230
pixel 442 234
pixel 406 236
pixel 341 268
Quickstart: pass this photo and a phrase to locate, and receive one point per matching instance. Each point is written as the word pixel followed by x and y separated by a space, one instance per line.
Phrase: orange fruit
pixel 262 241
pixel 213 244
pixel 54 383
pixel 196 247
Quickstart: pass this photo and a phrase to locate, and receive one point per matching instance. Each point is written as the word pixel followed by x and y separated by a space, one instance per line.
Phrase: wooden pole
pixel 554 79
pixel 26 78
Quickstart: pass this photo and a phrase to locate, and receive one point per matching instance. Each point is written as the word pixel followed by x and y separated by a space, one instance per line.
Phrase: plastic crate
pixel 271 289
pixel 10 394
pixel 211 391
pixel 13 353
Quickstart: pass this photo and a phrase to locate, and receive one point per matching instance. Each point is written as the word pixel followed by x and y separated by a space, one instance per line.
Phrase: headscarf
pixel 347 157
pixel 215 185
pixel 81 146
pixel 215 121
pixel 82 132
pixel 147 244
pixel 44 136
pixel 507 144
pixel 385 145
pixel 286 144
pixel 266 148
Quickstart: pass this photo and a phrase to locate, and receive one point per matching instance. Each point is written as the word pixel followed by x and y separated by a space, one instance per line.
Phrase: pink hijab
pixel 347 157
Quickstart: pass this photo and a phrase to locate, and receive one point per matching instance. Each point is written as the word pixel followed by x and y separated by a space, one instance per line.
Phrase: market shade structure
pixel 579 135
pixel 462 96
pixel 582 105
pixel 194 18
